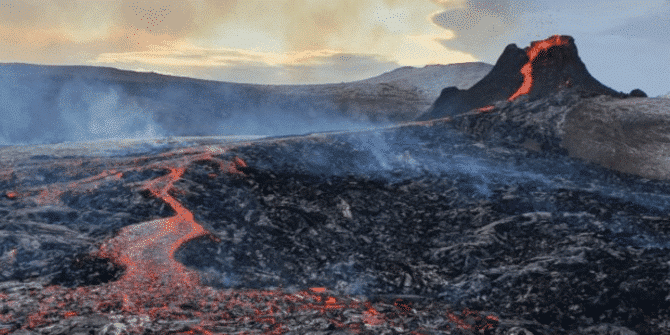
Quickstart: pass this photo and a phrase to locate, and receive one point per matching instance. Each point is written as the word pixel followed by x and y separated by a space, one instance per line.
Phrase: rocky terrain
pixel 411 228
pixel 533 214
pixel 542 98
pixel 627 135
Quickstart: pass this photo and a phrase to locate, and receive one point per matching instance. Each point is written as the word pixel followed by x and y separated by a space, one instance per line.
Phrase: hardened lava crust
pixel 415 228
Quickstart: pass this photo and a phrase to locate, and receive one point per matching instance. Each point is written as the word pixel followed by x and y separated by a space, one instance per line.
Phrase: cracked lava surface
pixel 154 286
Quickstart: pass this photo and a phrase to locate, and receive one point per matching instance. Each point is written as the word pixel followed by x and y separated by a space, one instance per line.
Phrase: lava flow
pixel 155 287
pixel 533 51
pixel 147 249
pixel 485 109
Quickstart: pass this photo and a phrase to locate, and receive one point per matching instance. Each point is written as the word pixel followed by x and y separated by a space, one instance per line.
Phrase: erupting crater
pixel 543 68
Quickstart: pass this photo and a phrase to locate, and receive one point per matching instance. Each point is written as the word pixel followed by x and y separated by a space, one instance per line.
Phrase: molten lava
pixel 155 286
pixel 534 50
pixel 485 109
pixel 547 67
pixel 147 249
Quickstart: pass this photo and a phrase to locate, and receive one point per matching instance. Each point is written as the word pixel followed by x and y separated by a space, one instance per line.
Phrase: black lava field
pixel 419 212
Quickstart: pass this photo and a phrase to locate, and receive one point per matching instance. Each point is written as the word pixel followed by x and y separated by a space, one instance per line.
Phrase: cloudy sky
pixel 624 43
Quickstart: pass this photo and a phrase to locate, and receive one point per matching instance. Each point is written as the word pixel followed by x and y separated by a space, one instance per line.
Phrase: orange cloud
pixel 183 54
pixel 224 33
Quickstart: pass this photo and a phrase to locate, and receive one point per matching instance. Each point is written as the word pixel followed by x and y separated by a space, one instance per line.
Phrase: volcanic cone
pixel 543 68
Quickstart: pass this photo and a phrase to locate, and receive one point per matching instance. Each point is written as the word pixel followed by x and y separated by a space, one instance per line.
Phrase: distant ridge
pixel 52 104
pixel 432 78
pixel 93 72
pixel 462 74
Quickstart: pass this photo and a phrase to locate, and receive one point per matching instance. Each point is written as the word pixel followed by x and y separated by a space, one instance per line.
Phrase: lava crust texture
pixel 414 228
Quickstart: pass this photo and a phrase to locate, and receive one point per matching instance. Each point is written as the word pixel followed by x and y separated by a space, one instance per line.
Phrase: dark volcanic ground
pixel 420 222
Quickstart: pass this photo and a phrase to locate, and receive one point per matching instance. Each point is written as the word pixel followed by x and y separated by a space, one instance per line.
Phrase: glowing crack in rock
pixel 485 109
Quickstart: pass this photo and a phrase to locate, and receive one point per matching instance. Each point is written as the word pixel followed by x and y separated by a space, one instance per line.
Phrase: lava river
pixel 154 286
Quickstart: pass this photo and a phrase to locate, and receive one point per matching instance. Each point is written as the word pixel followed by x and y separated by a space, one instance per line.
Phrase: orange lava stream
pixel 533 51
pixel 147 249
pixel 43 196
pixel 155 285
pixel 485 109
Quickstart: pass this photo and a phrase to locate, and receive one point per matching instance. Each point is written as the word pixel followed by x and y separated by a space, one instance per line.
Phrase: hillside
pixel 51 104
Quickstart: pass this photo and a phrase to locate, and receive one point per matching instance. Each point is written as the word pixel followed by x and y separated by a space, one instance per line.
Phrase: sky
pixel 624 43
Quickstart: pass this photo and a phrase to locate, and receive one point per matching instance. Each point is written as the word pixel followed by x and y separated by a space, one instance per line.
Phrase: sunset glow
pixel 186 38
pixel 311 42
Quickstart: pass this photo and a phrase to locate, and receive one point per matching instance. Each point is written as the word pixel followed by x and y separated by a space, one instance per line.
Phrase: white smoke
pixel 91 113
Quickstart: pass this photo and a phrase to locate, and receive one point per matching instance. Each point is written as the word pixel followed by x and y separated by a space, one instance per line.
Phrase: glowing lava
pixel 485 109
pixel 147 249
pixel 155 286
pixel 533 51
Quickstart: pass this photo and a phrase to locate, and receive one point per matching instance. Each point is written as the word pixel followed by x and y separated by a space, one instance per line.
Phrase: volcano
pixel 415 228
pixel 543 68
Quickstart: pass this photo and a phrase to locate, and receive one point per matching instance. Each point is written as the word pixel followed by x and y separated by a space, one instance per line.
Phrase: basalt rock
pixel 637 93
pixel 439 235
pixel 414 228
pixel 627 135
pixel 543 68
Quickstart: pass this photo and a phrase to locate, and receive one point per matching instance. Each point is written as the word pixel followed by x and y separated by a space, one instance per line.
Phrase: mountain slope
pixel 51 104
